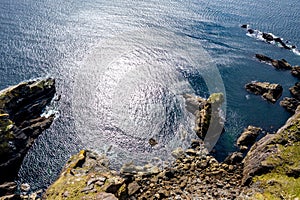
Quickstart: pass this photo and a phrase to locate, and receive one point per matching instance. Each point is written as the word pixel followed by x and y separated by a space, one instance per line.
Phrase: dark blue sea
pixel 124 67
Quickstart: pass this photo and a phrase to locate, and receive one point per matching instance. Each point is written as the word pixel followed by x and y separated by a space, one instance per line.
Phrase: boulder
pixel 248 137
pixel 270 91
pixel 21 123
pixel 296 71
pixel 290 104
pixel 264 58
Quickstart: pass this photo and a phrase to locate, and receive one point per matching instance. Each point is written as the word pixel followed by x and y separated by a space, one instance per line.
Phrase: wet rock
pixel 296 71
pixel 248 137
pixel 295 90
pixel 290 104
pixel 178 153
pixel 269 91
pixel 278 64
pixel 152 142
pixel 244 26
pixel 268 37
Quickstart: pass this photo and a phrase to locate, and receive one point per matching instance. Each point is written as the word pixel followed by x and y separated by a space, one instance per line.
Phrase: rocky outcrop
pixel 296 71
pixel 208 117
pixel 273 162
pixel 291 104
pixel 278 64
pixel 248 137
pixel 269 91
pixel 21 123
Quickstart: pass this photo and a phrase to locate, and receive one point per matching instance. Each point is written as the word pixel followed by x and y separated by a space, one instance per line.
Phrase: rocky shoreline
pixel 263 169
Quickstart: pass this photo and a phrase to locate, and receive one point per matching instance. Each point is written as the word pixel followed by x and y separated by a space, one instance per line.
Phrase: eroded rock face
pixel 269 91
pixel 21 123
pixel 275 154
pixel 295 91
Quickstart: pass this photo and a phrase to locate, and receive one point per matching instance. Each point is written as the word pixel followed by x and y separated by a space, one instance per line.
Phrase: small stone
pixel 25 187
pixel 66 194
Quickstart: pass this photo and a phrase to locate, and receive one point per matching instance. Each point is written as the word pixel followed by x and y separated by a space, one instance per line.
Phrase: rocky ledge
pixel 269 91
pixel 21 123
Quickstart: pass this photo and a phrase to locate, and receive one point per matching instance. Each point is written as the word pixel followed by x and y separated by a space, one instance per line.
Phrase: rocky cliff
pixel 274 162
pixel 21 123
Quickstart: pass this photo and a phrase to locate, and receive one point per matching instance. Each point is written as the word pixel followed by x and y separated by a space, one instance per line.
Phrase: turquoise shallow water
pixel 122 69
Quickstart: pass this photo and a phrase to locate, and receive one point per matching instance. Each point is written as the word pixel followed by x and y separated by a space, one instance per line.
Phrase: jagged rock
pixel 193 103
pixel 21 123
pixel 244 26
pixel 296 71
pixel 208 118
pixel 248 137
pixel 290 104
pixel 271 92
pixel 281 64
pixel 234 158
pixel 268 37
pixel 81 177
pixel 275 154
pixel 278 64
pixel 295 90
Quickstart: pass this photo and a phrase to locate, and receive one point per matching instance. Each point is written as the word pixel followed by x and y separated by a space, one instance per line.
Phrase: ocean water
pixel 123 68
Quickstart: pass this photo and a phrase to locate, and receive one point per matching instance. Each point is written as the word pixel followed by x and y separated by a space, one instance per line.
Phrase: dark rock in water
pixel 251 31
pixel 244 26
pixel 248 137
pixel 271 92
pixel 278 64
pixel 268 37
pixel 295 90
pixel 276 157
pixel 290 104
pixel 234 158
pixel 281 64
pixel 296 71
pixel 21 123
pixel 264 58
pixel 208 118
pixel 152 142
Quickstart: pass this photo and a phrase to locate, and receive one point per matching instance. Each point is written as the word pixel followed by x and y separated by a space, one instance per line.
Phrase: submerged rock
pixel 21 123
pixel 270 91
